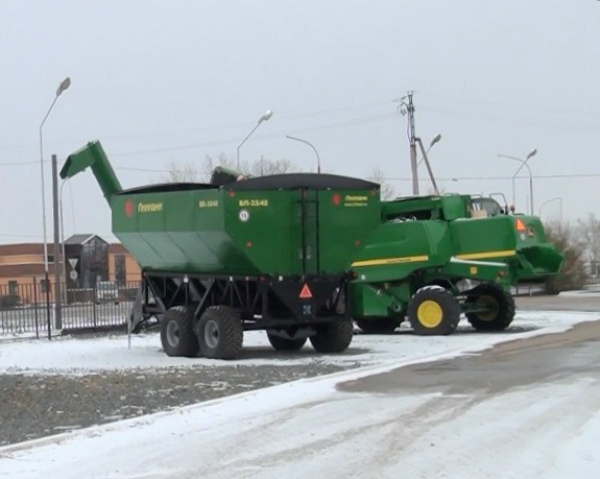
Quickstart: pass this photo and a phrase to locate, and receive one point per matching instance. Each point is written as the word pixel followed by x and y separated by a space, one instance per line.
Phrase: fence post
pixel 35 309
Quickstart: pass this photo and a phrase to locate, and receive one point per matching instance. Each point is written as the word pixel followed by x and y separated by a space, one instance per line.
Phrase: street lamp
pixel 531 154
pixel 436 139
pixel 314 149
pixel 265 116
pixel 64 85
pixel 560 207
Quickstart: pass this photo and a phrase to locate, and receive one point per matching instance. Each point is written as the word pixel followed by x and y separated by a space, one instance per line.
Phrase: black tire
pixel 285 344
pixel 502 306
pixel 378 324
pixel 333 337
pixel 433 311
pixel 177 333
pixel 220 333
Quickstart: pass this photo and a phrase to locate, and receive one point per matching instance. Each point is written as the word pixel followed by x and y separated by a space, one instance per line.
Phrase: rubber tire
pixel 229 329
pixel 448 304
pixel 504 315
pixel 285 344
pixel 333 337
pixel 378 324
pixel 182 319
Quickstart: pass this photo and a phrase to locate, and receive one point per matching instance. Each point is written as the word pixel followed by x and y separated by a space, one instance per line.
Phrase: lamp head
pixel 266 115
pixel 436 138
pixel 531 153
pixel 66 83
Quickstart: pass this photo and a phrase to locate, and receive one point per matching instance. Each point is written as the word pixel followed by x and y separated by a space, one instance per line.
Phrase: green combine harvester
pixel 301 255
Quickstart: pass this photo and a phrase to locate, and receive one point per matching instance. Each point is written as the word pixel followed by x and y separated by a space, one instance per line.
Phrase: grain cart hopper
pixel 435 257
pixel 269 253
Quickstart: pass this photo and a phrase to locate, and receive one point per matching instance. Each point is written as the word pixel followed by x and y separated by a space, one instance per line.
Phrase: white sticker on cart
pixel 244 215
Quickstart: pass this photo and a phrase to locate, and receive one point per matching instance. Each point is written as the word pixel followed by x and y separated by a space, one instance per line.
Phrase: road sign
pixel 73 274
pixel 73 262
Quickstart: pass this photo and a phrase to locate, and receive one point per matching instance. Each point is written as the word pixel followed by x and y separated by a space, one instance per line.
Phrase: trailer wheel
pixel 285 344
pixel 333 337
pixel 433 311
pixel 378 324
pixel 177 332
pixel 501 308
pixel 220 333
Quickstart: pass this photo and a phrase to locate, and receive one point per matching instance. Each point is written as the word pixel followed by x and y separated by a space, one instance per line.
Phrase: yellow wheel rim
pixel 430 314
pixel 491 303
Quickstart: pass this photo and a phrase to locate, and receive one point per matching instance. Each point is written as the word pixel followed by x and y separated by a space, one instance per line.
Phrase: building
pixel 90 259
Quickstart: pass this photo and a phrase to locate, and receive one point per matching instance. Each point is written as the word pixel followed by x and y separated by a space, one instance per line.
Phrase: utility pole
pixel 408 109
pixel 56 249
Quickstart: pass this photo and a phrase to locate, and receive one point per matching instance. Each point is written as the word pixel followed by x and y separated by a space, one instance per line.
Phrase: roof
pixel 81 239
pixel 117 248
pixel 17 249
pixel 21 270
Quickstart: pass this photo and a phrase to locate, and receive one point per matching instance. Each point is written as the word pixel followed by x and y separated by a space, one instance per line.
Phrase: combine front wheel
pixel 220 333
pixel 500 308
pixel 333 337
pixel 433 311
pixel 177 332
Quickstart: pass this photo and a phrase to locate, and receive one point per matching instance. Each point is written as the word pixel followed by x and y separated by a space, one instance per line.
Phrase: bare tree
pixel 378 176
pixel 588 231
pixel 264 167
pixel 181 173
pixel 573 273
pixel 192 173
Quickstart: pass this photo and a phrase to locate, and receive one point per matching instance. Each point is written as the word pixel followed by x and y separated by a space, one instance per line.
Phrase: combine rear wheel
pixel 220 333
pixel 285 344
pixel 333 337
pixel 177 332
pixel 500 304
pixel 433 311
pixel 377 324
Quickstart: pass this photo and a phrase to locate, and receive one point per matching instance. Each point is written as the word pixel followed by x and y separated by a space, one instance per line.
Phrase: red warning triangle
pixel 305 293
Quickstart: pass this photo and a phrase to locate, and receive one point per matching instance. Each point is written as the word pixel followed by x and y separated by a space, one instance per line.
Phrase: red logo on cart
pixel 129 208
pixel 305 293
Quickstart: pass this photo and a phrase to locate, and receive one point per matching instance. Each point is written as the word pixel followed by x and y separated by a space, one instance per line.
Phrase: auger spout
pixel 93 155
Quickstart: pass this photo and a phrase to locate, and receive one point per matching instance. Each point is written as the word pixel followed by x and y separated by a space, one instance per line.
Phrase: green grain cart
pixel 269 253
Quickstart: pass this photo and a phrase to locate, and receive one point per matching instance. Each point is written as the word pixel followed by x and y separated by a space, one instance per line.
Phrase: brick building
pixel 93 259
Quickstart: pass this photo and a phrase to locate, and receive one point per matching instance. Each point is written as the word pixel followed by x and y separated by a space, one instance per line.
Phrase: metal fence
pixel 30 308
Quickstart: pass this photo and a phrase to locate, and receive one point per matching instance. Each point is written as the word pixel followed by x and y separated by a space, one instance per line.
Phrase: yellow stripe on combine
pixel 385 261
pixel 488 254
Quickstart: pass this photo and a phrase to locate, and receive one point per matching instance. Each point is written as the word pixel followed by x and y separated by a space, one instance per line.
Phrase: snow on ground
pixel 72 355
pixel 309 429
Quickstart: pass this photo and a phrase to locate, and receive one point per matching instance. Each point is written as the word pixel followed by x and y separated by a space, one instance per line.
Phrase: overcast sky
pixel 163 81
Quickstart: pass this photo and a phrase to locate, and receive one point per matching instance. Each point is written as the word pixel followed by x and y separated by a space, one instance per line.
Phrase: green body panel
pixel 242 233
pixel 314 225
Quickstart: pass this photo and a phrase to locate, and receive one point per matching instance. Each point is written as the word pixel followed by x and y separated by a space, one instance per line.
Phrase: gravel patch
pixel 33 406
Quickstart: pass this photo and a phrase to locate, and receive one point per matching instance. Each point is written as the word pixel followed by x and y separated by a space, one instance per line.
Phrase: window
pixel 45 286
pixel 13 288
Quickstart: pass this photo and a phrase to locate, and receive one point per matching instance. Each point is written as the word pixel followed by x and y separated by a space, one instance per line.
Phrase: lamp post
pixel 523 164
pixel 265 116
pixel 436 139
pixel 61 88
pixel 560 207
pixel 314 149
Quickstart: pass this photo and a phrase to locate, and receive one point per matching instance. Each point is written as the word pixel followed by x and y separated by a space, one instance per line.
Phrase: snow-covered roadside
pixel 68 355
pixel 306 428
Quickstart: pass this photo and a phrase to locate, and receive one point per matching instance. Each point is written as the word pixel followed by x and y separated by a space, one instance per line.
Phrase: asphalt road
pixel 572 355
